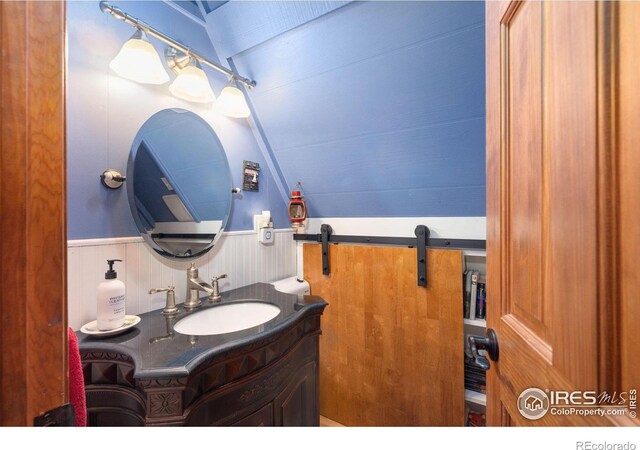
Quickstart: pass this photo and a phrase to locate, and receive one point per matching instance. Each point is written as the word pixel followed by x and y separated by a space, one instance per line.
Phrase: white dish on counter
pixel 91 328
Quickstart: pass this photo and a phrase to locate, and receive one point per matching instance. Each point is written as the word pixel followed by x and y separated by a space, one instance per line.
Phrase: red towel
pixel 76 381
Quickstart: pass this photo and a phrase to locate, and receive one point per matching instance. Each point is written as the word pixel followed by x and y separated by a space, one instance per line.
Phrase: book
pixel 480 301
pixel 475 419
pixel 476 386
pixel 476 373
pixel 480 389
pixel 475 378
pixel 475 276
pixel 466 301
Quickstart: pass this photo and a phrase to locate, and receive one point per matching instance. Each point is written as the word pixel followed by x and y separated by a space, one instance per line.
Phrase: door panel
pixel 296 405
pixel 391 352
pixel 570 140
pixel 551 226
pixel 523 43
pixel 261 418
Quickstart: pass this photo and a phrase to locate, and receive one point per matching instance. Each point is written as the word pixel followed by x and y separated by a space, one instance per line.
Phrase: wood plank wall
pixel 391 352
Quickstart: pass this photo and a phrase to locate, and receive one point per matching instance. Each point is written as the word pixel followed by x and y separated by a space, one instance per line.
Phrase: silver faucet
pixel 170 308
pixel 215 297
pixel 195 285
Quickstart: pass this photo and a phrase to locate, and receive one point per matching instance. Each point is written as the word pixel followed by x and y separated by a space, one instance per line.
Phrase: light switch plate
pixel 266 235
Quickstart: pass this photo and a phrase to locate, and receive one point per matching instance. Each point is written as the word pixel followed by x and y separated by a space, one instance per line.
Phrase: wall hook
pixel 112 179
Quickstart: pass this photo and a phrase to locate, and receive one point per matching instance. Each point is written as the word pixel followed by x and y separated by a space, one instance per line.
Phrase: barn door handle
pixel 489 343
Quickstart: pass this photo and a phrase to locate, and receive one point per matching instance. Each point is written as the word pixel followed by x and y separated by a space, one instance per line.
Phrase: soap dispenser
pixel 111 300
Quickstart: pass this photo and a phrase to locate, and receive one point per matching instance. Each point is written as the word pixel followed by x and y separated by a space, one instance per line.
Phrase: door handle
pixel 489 343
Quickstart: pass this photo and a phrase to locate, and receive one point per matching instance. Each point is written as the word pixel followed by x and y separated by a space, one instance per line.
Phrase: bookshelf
pixel 475 397
pixel 482 323
pixel 475 379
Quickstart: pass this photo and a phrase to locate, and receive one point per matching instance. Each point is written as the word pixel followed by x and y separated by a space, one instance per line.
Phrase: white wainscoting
pixel 238 254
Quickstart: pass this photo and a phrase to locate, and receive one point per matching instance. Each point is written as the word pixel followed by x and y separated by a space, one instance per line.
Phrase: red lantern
pixel 297 208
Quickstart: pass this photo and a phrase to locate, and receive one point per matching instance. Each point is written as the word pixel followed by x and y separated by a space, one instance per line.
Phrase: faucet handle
pixel 215 295
pixel 219 277
pixel 170 308
pixel 156 290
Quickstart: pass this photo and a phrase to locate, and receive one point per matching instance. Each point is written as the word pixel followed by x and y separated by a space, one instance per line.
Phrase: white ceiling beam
pixel 203 11
pixel 186 13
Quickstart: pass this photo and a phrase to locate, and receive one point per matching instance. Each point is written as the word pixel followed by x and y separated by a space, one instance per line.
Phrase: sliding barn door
pixel 391 352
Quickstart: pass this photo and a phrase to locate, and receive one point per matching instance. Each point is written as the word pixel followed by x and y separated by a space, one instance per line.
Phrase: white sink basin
pixel 227 318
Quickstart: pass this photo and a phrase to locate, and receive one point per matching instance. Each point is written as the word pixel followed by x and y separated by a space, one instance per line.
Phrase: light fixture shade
pixel 139 61
pixel 232 103
pixel 192 85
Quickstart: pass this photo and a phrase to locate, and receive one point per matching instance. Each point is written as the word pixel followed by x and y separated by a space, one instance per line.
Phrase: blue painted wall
pixel 378 108
pixel 104 113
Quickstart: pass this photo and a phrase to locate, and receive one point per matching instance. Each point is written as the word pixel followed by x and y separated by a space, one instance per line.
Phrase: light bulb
pixel 139 61
pixel 232 103
pixel 192 84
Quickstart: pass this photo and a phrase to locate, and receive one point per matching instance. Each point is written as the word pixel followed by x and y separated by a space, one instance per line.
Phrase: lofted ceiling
pixel 196 8
pixel 377 108
pixel 210 6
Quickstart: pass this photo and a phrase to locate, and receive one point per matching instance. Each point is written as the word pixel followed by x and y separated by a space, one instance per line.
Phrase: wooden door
pixel 553 210
pixel 33 346
pixel 391 352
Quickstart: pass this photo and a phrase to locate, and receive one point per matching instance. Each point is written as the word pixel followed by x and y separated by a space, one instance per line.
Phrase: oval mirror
pixel 178 184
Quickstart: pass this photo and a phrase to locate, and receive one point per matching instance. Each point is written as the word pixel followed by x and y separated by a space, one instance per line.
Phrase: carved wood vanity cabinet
pixel 264 377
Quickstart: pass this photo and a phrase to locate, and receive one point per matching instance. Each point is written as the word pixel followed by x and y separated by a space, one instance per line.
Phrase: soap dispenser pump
pixel 111 300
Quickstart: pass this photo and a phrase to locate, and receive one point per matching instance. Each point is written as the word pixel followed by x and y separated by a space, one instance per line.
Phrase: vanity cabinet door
pixel 261 418
pixel 114 406
pixel 296 405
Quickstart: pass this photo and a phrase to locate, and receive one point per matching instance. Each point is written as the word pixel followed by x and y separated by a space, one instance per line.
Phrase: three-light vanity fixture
pixel 139 61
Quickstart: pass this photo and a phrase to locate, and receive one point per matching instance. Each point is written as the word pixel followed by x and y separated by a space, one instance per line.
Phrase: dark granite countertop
pixel 156 354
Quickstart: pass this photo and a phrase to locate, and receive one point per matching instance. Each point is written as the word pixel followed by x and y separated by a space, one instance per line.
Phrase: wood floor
pixel 324 422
